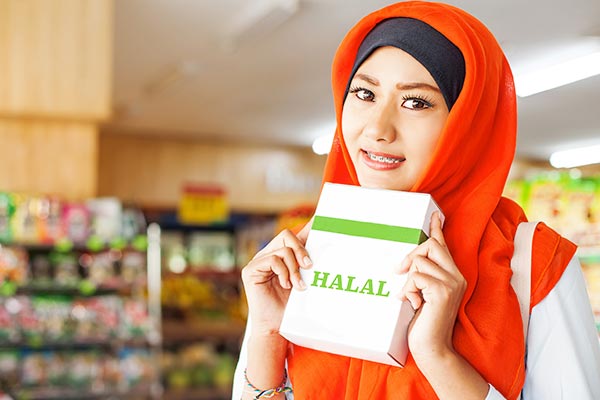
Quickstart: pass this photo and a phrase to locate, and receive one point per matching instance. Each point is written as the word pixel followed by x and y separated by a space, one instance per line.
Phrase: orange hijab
pixel 466 176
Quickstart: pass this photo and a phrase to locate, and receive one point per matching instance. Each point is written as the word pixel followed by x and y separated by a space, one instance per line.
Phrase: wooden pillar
pixel 55 87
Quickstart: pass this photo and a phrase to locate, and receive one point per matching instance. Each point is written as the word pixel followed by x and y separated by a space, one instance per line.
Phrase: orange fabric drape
pixel 466 176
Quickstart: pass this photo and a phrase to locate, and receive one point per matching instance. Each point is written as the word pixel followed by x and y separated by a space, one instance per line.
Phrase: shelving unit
pixel 203 305
pixel 80 323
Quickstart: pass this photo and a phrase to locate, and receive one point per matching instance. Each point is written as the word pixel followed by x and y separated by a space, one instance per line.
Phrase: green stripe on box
pixel 369 229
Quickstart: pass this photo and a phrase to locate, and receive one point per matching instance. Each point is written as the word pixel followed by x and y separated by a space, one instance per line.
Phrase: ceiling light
pixel 558 74
pixel 576 157
pixel 322 144
pixel 257 19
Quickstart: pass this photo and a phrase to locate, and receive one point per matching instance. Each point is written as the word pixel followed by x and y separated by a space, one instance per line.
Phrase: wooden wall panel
pixel 151 172
pixel 49 158
pixel 56 58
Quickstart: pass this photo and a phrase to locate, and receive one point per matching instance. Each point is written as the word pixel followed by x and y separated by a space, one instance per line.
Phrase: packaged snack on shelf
pixel 50 227
pixel 25 219
pixel 188 293
pixel 200 360
pixel 544 203
pixel 576 207
pixel 252 237
pixel 137 370
pixel 41 270
pixel 133 223
pixel 135 320
pixel 97 318
pixel 7 210
pixel 9 330
pixel 101 269
pixel 32 328
pixel 173 251
pixel 9 367
pixel 111 371
pixel 224 370
pixel 133 267
pixel 58 371
pixel 106 218
pixel 34 369
pixel 84 369
pixel 76 220
pixel 54 316
pixel 14 266
pixel 211 250
pixel 66 269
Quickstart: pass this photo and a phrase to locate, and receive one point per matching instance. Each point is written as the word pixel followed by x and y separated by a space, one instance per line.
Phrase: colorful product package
pixel 7 210
pixel 358 237
pixel 50 227
pixel 76 220
pixel 9 331
pixel 24 222
pixel 106 218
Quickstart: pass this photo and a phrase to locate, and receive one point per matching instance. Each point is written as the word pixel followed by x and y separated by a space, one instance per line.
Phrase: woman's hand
pixel 435 288
pixel 269 277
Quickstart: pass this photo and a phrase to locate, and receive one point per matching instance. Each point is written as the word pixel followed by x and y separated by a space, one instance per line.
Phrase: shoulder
pixel 551 253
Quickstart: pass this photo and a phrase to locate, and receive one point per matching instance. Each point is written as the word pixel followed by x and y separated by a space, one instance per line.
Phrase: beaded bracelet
pixel 268 393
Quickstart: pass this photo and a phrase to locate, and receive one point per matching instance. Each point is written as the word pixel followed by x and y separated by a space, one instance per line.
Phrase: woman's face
pixel 392 119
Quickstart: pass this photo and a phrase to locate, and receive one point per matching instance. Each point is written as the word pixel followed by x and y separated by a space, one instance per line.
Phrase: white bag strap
pixel 521 267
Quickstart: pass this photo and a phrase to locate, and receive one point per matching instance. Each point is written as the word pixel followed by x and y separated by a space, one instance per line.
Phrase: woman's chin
pixel 389 184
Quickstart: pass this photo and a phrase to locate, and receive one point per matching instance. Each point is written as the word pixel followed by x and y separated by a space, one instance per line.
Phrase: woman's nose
pixel 380 126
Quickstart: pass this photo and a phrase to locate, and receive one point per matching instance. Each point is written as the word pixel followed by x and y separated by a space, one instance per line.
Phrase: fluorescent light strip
pixel 576 157
pixel 558 75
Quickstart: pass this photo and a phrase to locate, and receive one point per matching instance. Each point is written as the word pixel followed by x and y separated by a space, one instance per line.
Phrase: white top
pixel 563 350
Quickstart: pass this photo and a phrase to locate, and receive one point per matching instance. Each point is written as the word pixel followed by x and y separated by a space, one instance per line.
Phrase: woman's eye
pixel 416 104
pixel 364 94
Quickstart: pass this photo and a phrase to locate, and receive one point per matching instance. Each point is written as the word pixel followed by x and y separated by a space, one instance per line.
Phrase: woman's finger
pixel 416 285
pixel 263 270
pixel 435 229
pixel 286 238
pixel 285 257
pixel 426 266
pixel 303 234
pixel 433 250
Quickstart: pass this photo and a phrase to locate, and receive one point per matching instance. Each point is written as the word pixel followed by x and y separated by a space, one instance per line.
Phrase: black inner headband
pixel 442 58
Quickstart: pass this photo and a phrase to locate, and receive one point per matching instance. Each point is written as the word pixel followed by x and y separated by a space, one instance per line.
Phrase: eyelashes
pixel 413 101
pixel 420 97
pixel 362 93
pixel 417 101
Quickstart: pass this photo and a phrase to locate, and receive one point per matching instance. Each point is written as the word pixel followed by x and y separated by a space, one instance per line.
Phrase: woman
pixel 425 102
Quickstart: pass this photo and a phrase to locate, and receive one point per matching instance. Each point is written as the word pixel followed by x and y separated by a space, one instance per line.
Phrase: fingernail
pixel 307 262
pixel 301 285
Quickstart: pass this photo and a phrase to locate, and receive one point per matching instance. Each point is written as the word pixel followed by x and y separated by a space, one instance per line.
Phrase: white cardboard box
pixel 350 306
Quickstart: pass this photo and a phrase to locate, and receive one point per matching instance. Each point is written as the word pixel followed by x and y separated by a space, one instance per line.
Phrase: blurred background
pixel 148 148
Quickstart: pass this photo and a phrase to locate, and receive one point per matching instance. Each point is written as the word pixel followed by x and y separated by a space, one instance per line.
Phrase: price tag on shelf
pixel 203 204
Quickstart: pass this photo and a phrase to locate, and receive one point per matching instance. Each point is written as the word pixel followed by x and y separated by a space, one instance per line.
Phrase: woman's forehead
pixel 389 62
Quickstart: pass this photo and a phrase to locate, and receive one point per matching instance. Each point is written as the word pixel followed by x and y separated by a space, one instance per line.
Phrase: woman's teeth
pixel 384 159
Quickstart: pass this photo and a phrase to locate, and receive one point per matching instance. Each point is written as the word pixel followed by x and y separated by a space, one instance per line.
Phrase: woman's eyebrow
pixel 367 78
pixel 400 86
pixel 417 85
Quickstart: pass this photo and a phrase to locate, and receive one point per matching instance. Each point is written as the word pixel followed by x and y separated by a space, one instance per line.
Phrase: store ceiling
pixel 183 69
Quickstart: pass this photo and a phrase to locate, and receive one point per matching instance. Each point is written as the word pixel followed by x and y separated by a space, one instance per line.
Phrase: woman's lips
pixel 381 161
